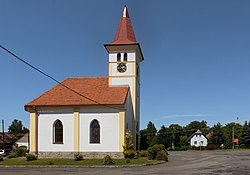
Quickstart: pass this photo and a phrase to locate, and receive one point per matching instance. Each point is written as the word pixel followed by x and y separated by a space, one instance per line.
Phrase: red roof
pixel 95 88
pixel 125 33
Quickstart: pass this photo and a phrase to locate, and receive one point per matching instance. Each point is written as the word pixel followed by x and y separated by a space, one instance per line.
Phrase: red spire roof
pixel 125 33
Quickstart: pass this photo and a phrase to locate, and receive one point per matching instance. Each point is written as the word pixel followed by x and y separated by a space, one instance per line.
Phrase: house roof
pixel 209 135
pixel 23 139
pixel 198 132
pixel 87 91
pixel 125 33
pixel 8 138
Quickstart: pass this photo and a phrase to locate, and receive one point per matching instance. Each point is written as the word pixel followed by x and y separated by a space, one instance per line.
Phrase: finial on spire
pixel 124 12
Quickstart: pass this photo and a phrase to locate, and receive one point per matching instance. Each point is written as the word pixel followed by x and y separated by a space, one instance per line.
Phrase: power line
pixel 52 78
pixel 183 130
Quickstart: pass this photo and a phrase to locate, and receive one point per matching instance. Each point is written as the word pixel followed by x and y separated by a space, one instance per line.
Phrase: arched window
pixel 118 57
pixel 58 132
pixel 125 57
pixel 94 132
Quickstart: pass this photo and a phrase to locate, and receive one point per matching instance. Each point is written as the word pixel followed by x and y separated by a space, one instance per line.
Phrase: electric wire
pixel 52 78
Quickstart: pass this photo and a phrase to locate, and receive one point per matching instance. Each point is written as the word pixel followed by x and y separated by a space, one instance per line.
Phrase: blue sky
pixel 197 54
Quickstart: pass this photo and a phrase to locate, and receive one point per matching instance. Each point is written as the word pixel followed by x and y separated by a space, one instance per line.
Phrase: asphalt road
pixel 187 163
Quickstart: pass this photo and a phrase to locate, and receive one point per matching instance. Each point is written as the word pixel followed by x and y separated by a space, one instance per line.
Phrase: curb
pixel 77 166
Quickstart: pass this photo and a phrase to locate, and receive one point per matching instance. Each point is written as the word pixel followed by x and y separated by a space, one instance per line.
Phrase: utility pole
pixel 3 132
pixel 173 142
pixel 233 136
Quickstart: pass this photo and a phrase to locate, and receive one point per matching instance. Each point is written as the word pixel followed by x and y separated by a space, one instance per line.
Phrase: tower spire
pixel 125 33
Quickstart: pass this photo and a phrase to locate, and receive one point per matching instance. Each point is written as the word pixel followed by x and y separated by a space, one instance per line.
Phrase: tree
pixel 17 129
pixel 227 130
pixel 151 134
pixel 183 141
pixel 218 137
pixel 163 137
pixel 194 125
pixel 176 131
pixel 143 140
pixel 245 137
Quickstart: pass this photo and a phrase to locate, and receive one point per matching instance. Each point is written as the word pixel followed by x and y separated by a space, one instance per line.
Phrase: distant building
pixel 198 139
pixel 23 141
pixel 7 140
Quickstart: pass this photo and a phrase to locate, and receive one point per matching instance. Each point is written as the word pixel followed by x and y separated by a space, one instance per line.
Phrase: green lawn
pixel 71 162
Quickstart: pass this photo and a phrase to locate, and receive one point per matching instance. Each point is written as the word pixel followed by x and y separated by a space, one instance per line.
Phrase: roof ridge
pixel 83 77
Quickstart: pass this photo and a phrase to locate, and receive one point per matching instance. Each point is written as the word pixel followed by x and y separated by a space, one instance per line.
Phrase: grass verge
pixel 70 162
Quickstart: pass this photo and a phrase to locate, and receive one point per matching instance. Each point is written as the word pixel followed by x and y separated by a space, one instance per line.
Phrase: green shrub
pixel 242 146
pixel 20 151
pixel 176 149
pixel 193 148
pixel 170 149
pixel 78 157
pixel 31 157
pixel 51 163
pixel 12 155
pixel 136 156
pixel 184 148
pixel 23 147
pixel 153 151
pixel 142 153
pixel 211 147
pixel 127 160
pixel 128 147
pixel 1 158
pixel 107 160
pixel 162 155
pixel 130 154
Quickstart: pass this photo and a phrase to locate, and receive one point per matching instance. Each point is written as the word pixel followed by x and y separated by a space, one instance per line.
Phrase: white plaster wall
pixel 131 55
pixel 122 81
pixel 45 131
pixel 129 113
pixel 128 72
pixel 109 130
pixel 198 139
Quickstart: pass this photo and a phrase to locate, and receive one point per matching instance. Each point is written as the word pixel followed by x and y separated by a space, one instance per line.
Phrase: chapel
pixel 90 115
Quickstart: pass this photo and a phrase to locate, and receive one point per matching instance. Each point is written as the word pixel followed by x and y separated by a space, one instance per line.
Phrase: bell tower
pixel 125 56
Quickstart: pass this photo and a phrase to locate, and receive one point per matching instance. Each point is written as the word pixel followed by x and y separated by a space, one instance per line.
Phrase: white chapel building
pixel 198 139
pixel 90 115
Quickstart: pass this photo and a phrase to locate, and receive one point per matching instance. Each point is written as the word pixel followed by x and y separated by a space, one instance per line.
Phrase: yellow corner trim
pixel 76 131
pixel 33 132
pixel 110 74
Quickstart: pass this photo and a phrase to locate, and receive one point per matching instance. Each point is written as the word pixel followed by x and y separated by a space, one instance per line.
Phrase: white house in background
pixel 23 141
pixel 90 115
pixel 198 139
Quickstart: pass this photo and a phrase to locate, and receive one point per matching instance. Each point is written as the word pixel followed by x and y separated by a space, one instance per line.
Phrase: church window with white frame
pixel 94 131
pixel 58 132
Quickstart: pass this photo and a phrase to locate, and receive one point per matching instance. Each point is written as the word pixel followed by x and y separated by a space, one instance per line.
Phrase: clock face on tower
pixel 121 67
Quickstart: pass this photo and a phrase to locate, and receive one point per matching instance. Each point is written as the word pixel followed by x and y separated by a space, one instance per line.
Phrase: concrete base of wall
pixel 86 155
